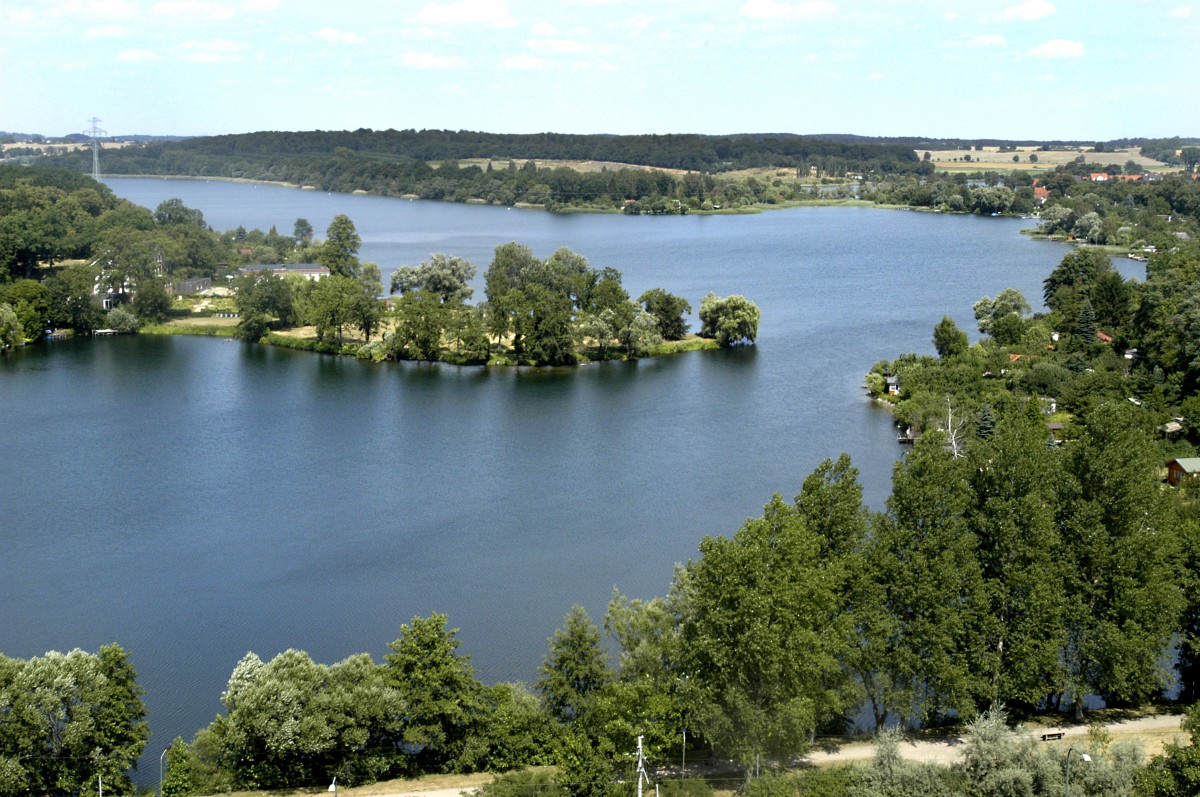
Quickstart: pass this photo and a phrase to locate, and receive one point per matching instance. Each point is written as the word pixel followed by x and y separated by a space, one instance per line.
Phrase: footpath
pixel 948 750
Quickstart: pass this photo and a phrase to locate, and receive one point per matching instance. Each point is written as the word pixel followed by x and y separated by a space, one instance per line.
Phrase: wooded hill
pixel 685 151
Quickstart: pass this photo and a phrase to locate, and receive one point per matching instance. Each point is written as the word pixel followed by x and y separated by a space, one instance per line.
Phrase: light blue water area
pixel 195 499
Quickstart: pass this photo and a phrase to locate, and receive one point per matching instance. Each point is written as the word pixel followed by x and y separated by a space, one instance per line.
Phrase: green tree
pixel 1120 547
pixel 513 731
pixel 151 303
pixel 180 779
pixel 1177 771
pixel 948 339
pixel 419 320
pixel 1084 335
pixel 302 231
pixel 333 304
pixel 292 722
pixel 174 212
pixel 1190 157
pixel 921 647
pixel 1012 515
pixel 443 700
pixel 12 331
pixel 68 719
pixel 766 637
pixel 731 320
pixel 71 304
pixel 30 300
pixel 575 669
pixel 641 335
pixel 339 252
pixel 1009 304
pixel 669 310
pixel 448 277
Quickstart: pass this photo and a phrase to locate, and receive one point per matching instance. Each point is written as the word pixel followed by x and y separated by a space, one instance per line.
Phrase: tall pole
pixel 641 768
pixel 95 132
pixel 160 771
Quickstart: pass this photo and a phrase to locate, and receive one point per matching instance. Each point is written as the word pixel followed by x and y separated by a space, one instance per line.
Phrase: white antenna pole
pixel 642 777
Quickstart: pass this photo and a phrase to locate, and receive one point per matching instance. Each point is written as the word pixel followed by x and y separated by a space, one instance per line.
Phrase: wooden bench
pixel 1048 737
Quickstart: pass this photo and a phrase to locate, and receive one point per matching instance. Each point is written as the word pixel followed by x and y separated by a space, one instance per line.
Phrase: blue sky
pixel 1039 69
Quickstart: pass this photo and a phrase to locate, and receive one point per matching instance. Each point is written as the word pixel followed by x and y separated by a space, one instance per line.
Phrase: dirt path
pixel 1153 730
pixel 948 751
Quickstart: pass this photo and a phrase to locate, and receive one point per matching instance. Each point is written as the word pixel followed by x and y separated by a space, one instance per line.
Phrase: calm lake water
pixel 195 499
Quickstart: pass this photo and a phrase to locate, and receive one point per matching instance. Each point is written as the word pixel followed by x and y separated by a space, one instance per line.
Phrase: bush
pixel 523 784
pixel 122 320
pixel 686 787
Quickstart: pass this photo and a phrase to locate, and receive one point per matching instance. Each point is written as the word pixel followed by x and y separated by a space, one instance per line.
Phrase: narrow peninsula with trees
pixel 75 258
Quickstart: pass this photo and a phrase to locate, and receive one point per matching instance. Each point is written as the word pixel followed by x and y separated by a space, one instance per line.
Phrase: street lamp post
pixel 161 756
pixel 1083 757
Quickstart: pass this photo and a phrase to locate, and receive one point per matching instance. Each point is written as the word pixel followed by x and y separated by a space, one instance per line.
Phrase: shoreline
pixel 743 210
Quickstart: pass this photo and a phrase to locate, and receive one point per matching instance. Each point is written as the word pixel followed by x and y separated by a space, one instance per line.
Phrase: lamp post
pixel 161 756
pixel 1083 757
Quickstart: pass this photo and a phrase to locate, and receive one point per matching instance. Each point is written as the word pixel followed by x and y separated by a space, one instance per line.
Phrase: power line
pixel 95 133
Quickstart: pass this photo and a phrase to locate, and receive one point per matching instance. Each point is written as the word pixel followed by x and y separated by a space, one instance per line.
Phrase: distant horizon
pixel 1072 140
pixel 1044 70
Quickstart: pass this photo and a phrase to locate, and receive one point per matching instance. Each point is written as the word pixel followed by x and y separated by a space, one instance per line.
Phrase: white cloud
pixel 338 36
pixel 555 46
pixel 193 11
pixel 772 9
pixel 1028 11
pixel 1058 48
pixel 431 61
pixel 138 57
pixel 465 12
pixel 545 30
pixel 1182 12
pixel 106 32
pixel 96 9
pixel 259 6
pixel 980 40
pixel 950 16
pixel 638 23
pixel 214 51
pixel 524 62
pixel 877 76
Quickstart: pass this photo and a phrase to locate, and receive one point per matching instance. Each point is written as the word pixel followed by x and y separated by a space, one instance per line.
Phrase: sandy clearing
pixel 949 750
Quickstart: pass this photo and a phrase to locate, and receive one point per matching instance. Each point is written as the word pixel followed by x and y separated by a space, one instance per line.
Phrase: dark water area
pixel 194 499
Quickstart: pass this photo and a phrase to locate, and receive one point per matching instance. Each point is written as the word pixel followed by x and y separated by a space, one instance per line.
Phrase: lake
pixel 194 499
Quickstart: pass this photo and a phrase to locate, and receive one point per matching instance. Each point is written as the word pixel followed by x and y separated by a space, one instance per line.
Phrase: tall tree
pixel 575 669
pixel 1012 516
pixel 1123 595
pixel 731 320
pixel 69 718
pixel 302 231
pixel 339 252
pixel 669 310
pixel 948 339
pixel 921 657
pixel 442 699
pixel 766 636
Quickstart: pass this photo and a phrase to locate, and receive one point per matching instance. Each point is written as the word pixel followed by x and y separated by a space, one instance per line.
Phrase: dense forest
pixel 426 164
